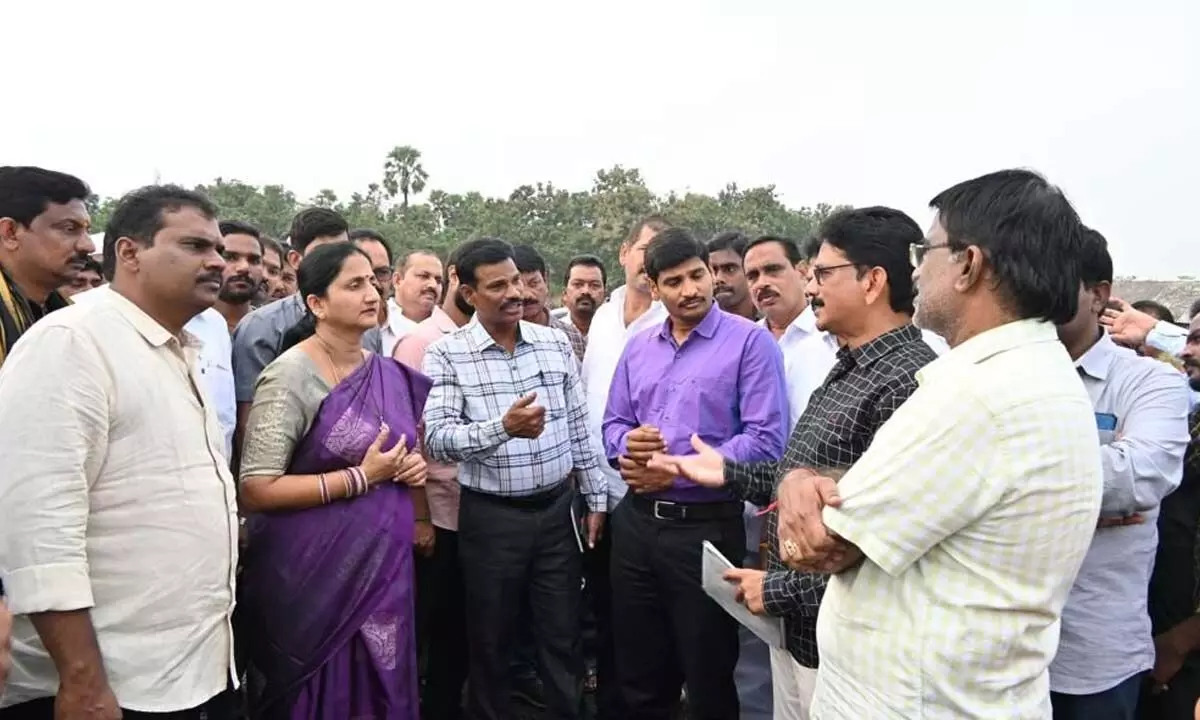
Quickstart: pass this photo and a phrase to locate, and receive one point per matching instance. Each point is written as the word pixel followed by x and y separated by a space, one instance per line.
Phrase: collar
pixel 870 351
pixel 441 320
pixel 805 323
pixel 1099 358
pixel 146 326
pixel 1008 336
pixel 706 329
pixel 481 339
pixel 397 321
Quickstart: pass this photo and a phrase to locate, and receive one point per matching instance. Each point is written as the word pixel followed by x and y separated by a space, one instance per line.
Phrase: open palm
pixel 706 467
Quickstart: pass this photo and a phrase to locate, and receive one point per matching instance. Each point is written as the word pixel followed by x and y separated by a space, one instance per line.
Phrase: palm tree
pixel 403 174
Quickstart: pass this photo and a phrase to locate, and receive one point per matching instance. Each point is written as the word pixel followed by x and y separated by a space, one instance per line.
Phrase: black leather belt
pixel 539 500
pixel 686 512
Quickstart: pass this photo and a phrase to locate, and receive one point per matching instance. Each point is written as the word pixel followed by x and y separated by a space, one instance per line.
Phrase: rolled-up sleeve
pixel 53 433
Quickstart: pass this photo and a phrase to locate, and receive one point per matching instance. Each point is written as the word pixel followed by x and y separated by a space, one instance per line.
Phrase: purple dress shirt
pixel 725 383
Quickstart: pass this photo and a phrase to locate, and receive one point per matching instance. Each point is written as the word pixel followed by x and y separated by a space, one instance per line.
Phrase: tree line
pixel 560 223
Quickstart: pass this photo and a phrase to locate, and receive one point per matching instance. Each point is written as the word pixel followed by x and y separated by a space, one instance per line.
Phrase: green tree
pixel 558 222
pixel 403 173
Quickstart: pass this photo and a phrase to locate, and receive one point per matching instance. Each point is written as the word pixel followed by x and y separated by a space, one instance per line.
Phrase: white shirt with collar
pixel 606 341
pixel 116 498
pixel 1141 407
pixel 396 328
pixel 215 361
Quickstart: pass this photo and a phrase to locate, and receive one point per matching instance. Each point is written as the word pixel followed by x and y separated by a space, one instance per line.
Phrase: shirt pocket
pixel 552 394
pixel 710 404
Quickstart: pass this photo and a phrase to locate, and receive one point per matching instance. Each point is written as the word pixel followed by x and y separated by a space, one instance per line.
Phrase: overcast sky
pixel 869 102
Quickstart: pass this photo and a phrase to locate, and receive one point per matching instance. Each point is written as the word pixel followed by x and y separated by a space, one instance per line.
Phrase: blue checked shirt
pixel 476 381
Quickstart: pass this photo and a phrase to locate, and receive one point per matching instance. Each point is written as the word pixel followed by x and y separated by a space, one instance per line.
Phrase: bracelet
pixel 323 488
pixel 361 477
pixel 423 518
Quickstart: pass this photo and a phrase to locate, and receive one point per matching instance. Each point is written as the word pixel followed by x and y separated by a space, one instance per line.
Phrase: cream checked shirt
pixel 115 497
pixel 974 506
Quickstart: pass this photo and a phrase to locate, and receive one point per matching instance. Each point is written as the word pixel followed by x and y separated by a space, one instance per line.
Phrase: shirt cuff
pixel 775 598
pixel 1167 337
pixel 494 432
pixel 59 587
pixel 735 482
pixel 597 503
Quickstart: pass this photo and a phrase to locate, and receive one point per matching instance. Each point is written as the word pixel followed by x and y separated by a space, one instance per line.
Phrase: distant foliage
pixel 559 222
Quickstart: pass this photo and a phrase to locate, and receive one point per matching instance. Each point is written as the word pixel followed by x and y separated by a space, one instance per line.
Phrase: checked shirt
pixel 866 385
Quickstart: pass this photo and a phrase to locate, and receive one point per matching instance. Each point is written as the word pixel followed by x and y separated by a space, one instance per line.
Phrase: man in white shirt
pixel 118 513
pixel 1141 406
pixel 418 285
pixel 629 310
pixel 946 590
pixel 214 361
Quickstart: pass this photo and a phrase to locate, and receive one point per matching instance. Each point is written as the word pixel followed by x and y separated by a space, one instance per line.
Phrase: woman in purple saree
pixel 326 470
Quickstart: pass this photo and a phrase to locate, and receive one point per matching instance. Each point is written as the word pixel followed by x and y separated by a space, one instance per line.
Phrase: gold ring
pixel 790 548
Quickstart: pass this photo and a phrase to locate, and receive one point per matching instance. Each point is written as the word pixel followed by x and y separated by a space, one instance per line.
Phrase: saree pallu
pixel 329 590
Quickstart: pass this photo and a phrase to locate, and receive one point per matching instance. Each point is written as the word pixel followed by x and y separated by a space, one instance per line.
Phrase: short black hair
pixel 140 214
pixel 402 264
pixel 26 192
pixel 810 248
pixel 1029 233
pixel 1194 310
pixel 237 227
pixel 1154 309
pixel 528 260
pixel 733 240
pixel 313 223
pixel 877 237
pixel 476 253
pixel 585 261
pixel 790 249
pixel 671 248
pixel 273 245
pixel 1095 262
pixel 90 264
pixel 359 234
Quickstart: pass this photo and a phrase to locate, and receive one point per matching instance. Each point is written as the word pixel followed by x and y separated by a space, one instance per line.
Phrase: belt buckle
pixel 660 503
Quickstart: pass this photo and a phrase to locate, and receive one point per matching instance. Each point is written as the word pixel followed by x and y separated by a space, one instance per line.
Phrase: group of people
pixel 321 478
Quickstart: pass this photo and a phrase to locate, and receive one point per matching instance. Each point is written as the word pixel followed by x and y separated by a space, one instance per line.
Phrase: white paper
pixel 712 572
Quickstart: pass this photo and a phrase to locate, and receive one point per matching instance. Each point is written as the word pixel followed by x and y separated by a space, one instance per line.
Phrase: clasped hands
pixel 641 444
pixel 397 464
pixel 805 543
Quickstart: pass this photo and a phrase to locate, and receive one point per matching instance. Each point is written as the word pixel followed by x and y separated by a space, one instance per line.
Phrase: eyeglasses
pixel 821 273
pixel 918 251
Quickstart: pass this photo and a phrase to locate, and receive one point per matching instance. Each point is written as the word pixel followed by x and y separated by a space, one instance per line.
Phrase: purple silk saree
pixel 329 590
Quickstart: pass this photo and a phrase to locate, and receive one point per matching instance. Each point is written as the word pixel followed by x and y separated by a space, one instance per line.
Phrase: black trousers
pixel 221 707
pixel 441 627
pixel 597 564
pixel 668 632
pixel 513 554
pixel 1177 702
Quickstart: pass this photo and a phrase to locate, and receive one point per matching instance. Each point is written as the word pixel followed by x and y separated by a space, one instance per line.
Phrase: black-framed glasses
pixel 821 273
pixel 918 251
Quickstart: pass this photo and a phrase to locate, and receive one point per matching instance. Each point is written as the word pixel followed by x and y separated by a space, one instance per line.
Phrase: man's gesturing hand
pixel 524 419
